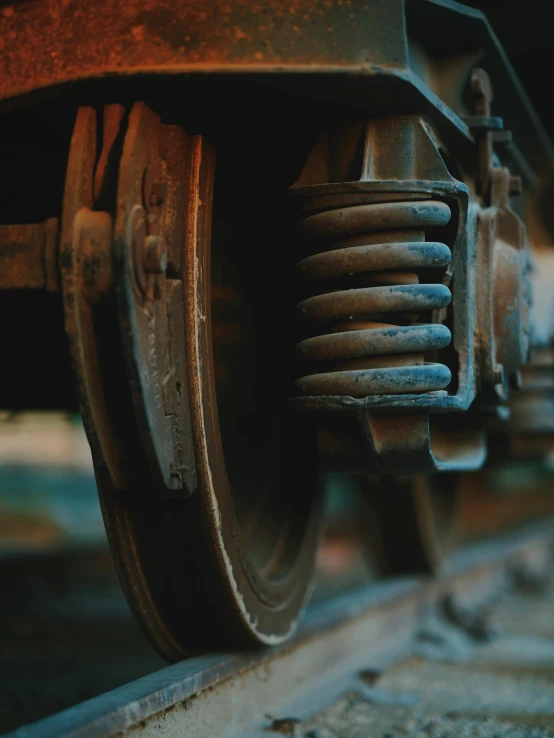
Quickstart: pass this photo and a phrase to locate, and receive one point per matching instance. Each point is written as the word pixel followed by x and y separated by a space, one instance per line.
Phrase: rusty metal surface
pixel 134 258
pixel 147 239
pixel 28 256
pixel 42 46
pixel 100 247
pixel 289 509
pixel 42 43
pixel 483 124
pixel 135 264
pixel 81 230
pixel 503 288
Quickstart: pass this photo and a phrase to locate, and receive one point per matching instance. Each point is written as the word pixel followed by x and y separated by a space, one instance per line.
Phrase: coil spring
pixel 373 344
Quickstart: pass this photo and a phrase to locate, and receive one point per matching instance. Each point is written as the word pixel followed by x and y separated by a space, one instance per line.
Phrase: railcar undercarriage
pixel 256 247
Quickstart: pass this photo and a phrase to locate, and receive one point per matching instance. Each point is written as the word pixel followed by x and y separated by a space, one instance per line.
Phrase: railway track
pixel 398 657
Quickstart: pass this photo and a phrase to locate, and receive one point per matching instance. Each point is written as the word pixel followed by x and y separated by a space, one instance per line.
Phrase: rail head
pixel 221 694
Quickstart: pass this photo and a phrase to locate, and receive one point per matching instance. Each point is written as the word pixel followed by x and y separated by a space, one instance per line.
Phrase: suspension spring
pixel 361 320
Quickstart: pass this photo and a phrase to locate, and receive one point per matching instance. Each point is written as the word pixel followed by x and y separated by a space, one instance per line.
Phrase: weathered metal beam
pixel 28 256
pixel 48 43
pixel 419 45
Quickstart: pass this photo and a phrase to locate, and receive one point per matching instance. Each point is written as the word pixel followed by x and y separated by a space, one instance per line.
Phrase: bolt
pixel 155 255
pixel 158 193
pixel 482 91
pixel 149 256
pixel 154 190
pixel 176 479
pixel 155 263
pixel 177 483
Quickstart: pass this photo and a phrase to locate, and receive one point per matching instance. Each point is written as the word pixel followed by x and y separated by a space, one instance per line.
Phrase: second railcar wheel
pixel 410 523
pixel 209 490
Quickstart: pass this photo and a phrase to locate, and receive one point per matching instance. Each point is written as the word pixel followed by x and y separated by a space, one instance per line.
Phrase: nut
pixel 149 254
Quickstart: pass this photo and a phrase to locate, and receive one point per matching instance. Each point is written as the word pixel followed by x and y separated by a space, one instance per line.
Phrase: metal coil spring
pixel 367 260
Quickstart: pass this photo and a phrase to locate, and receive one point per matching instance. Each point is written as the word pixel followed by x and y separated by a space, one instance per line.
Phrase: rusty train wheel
pixel 257 466
pixel 209 491
pixel 411 522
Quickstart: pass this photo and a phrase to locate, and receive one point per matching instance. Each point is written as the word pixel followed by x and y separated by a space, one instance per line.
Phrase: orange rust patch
pixel 47 42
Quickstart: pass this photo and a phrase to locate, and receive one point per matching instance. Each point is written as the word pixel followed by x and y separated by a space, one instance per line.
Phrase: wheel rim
pixel 412 522
pixel 204 572
pixel 268 582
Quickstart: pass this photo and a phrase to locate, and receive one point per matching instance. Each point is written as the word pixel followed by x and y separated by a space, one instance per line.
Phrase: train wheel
pixel 411 522
pixel 209 490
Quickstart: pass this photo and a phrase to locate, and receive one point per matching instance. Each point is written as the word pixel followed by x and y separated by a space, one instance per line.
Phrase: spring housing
pixel 361 319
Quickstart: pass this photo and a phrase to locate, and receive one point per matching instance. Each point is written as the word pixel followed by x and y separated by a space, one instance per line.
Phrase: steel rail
pixel 240 694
